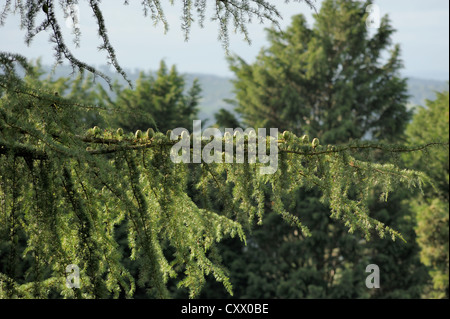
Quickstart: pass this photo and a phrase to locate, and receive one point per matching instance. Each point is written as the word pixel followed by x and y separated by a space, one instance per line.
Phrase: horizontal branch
pixel 114 145
pixel 380 147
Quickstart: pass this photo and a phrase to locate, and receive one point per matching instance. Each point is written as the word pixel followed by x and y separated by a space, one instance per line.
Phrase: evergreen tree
pixel 159 102
pixel 432 206
pixel 327 81
pixel 65 190
pixel 226 119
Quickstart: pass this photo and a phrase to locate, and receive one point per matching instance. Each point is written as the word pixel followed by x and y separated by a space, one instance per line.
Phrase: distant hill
pixel 421 90
pixel 216 88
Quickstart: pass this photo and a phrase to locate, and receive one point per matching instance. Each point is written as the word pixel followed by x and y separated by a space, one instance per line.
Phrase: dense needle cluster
pixel 67 191
pixel 96 198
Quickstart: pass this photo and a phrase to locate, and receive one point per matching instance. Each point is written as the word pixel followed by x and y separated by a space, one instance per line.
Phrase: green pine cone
pixel 97 131
pixel 150 133
pixel 305 139
pixel 315 142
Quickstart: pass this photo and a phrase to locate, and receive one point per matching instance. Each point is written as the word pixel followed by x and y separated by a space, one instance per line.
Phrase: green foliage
pixel 65 192
pixel 432 232
pixel 432 208
pixel 162 98
pixel 403 275
pixel 39 15
pixel 226 119
pixel 435 118
pixel 328 81
pixel 76 189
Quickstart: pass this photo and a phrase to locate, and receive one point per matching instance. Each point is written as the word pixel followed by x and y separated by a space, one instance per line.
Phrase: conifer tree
pixel 328 81
pixel 65 190
pixel 432 207
pixel 81 87
pixel 160 102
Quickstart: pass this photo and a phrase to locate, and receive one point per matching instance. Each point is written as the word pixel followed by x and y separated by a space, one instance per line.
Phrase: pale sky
pixel 422 31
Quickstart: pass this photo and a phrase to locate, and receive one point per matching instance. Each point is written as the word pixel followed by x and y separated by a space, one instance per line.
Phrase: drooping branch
pixel 239 13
